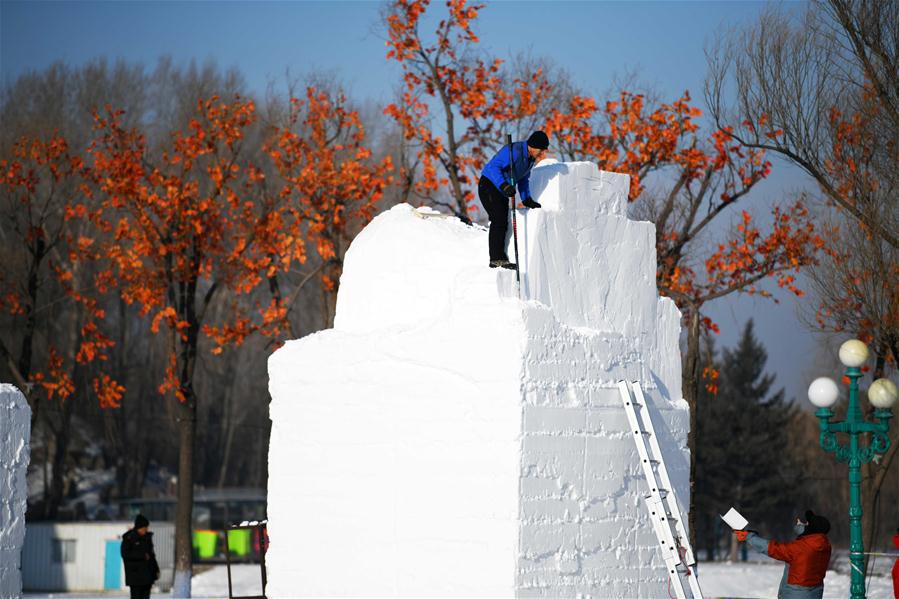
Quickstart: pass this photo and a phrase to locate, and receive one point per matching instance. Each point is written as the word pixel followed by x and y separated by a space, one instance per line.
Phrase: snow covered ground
pixel 718 579
pixel 749 579
pixel 245 580
pixel 210 584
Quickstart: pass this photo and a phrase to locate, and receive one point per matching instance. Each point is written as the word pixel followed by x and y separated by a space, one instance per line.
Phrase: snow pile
pixel 447 438
pixel 15 431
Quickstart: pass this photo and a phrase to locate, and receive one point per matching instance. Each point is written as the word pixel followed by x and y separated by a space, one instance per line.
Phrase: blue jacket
pixel 497 170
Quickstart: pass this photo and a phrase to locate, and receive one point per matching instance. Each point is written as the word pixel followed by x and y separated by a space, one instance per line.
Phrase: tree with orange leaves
pixel 857 290
pixel 787 73
pixel 184 232
pixel 444 77
pixel 200 224
pixel 684 183
pixel 696 182
pixel 53 280
pixel 857 282
pixel 328 178
pixel 820 87
pixel 700 179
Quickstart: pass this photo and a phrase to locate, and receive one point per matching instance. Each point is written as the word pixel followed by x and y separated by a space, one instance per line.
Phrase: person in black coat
pixel 141 569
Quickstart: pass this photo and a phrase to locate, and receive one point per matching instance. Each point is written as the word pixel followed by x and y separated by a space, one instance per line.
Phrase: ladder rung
pixel 662 518
pixel 661 502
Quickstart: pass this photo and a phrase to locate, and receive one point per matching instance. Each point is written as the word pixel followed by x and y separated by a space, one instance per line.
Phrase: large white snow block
pixel 447 438
pixel 15 432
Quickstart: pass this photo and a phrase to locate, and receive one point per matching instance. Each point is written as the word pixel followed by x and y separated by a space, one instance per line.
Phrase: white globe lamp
pixel 853 353
pixel 823 392
pixel 883 394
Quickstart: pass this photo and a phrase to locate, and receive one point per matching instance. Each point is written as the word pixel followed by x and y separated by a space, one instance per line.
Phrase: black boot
pixel 503 264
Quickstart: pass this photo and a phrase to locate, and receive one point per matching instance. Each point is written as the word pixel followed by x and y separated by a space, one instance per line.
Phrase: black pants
pixel 497 207
pixel 140 591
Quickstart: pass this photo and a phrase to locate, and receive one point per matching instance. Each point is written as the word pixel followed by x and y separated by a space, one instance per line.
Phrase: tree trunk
pixel 873 475
pixel 25 354
pixel 734 549
pixel 63 433
pixel 226 457
pixel 450 162
pixel 186 411
pixel 870 500
pixel 260 475
pixel 873 479
pixel 114 420
pixel 452 159
pixel 27 348
pixel 691 395
pixel 60 453
pixel 45 464
pixel 228 422
pixel 187 428
pixel 334 269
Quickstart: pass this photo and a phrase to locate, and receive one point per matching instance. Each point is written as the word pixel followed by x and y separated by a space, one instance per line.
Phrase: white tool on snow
pixel 661 500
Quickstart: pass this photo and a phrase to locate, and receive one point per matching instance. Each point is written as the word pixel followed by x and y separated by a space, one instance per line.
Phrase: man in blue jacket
pixel 495 189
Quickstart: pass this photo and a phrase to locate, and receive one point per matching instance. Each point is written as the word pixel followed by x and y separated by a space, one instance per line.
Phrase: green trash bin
pixel 205 542
pixel 240 542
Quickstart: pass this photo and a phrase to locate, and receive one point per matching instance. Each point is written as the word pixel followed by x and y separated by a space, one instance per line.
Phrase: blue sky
pixel 662 42
pixel 594 40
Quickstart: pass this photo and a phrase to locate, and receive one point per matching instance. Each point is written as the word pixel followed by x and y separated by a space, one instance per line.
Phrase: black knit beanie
pixel 539 140
pixel 141 521
pixel 816 523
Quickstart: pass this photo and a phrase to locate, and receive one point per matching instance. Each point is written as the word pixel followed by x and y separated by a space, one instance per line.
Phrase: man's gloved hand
pixel 741 535
pixel 507 189
pixel 529 203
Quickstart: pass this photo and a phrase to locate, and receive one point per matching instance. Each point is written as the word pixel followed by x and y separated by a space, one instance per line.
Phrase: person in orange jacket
pixel 896 567
pixel 806 558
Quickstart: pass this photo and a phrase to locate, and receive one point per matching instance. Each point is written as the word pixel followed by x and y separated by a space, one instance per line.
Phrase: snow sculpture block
pixel 447 438
pixel 15 432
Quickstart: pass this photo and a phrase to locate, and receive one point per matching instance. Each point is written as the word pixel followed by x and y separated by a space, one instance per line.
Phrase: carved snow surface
pixel 450 438
pixel 15 433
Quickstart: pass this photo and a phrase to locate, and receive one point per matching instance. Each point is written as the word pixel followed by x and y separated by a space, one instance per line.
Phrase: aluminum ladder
pixel 661 502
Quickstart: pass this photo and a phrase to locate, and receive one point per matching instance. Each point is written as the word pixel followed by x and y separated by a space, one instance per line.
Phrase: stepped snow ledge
pixel 447 438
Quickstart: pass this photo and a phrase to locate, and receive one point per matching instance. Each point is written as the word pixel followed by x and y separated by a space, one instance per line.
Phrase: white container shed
pixel 85 556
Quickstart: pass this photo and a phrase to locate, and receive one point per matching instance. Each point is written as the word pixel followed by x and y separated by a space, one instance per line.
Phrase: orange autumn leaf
pixel 444 81
pixel 197 218
pixel 44 186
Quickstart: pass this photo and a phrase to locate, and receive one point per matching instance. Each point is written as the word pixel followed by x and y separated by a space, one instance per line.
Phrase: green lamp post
pixel 882 394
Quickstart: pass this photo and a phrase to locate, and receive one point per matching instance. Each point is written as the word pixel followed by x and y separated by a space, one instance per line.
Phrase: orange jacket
pixel 808 557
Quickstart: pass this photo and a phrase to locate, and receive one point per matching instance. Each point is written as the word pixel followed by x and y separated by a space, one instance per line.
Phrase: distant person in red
pixel 141 569
pixel 807 557
pixel 896 567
